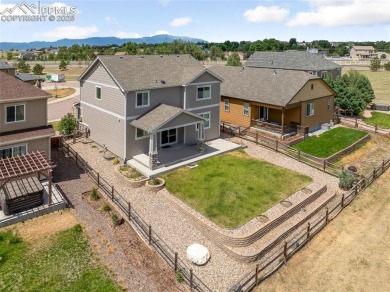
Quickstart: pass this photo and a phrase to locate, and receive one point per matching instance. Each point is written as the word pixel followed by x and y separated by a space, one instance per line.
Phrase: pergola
pixel 34 163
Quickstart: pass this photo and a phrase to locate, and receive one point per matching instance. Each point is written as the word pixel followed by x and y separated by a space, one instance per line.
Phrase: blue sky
pixel 215 20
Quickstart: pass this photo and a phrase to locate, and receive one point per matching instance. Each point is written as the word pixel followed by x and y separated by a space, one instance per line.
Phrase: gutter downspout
pixel 185 97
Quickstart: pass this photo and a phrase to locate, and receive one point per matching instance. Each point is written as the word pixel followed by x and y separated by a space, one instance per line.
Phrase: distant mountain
pixel 96 41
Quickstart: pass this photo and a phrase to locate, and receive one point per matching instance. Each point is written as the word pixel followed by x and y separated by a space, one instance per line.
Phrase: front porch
pixel 179 155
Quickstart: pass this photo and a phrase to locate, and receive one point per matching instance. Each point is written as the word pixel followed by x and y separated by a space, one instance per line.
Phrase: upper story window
pixel 140 134
pixel 245 107
pixel 98 92
pixel 15 113
pixel 142 99
pixel 310 109
pixel 203 92
pixel 207 121
pixel 13 151
pixel 227 104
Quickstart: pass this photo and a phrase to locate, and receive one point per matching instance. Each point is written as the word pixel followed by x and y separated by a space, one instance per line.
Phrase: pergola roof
pixel 24 165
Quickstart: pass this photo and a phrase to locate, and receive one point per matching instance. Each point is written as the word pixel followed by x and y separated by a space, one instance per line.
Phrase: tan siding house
pixel 23 118
pixel 275 102
pixel 137 105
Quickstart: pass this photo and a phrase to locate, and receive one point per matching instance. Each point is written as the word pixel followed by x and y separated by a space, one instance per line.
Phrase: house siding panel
pixel 321 113
pixel 320 89
pixel 41 144
pixel 105 129
pixel 235 115
pixel 180 120
pixel 99 74
pixel 36 115
pixel 213 131
pixel 135 147
pixel 205 77
pixel 192 92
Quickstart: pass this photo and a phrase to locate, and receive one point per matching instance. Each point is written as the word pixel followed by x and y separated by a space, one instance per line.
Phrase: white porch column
pixel 201 137
pixel 152 151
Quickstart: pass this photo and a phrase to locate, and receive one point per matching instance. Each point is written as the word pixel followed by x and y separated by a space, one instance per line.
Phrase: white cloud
pixel 345 12
pixel 159 32
pixel 71 31
pixel 127 35
pixel 181 21
pixel 266 14
pixel 111 20
pixel 164 2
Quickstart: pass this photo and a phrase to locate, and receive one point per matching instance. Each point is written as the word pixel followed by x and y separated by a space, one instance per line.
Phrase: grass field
pixel 382 120
pixel 233 188
pixel 330 142
pixel 50 256
pixel 350 254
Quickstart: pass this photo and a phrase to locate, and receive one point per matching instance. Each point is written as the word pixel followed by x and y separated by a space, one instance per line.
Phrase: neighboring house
pixel 28 55
pixel 295 60
pixel 29 78
pixel 23 122
pixel 139 104
pixel 6 68
pixel 362 52
pixel 274 101
pixel 120 53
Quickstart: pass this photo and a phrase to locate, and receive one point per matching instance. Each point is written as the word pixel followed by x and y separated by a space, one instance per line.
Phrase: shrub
pixel 116 160
pixel 94 195
pixel 77 228
pixel 387 66
pixel 105 208
pixel 154 182
pixel 67 125
pixel 116 219
pixel 179 276
pixel 346 180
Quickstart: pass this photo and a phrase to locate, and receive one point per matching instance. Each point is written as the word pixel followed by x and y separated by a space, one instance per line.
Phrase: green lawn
pixel 66 263
pixel 382 120
pixel 233 188
pixel 330 142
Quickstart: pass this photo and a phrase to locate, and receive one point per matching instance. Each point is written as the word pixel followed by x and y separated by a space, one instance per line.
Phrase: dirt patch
pixel 369 155
pixel 351 254
pixel 45 226
pixel 61 92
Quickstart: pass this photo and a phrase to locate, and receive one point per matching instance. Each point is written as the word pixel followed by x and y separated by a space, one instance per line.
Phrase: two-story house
pixel 23 118
pixel 140 104
pixel 295 60
pixel 362 52
pixel 8 69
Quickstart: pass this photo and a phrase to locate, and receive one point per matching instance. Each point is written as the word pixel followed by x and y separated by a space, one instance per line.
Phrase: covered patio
pixel 163 125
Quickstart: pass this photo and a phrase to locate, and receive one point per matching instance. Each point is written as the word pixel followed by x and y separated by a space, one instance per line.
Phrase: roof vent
pixel 162 81
pixel 121 57
pixel 142 57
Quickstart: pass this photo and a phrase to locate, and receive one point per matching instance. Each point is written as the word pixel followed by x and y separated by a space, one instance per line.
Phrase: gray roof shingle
pixel 270 86
pixel 4 66
pixel 159 116
pixel 27 77
pixel 135 72
pixel 293 60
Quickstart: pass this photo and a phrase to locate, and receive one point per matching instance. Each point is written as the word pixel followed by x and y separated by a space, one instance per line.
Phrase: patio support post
pixel 49 177
pixel 152 151
pixel 282 122
pixel 201 138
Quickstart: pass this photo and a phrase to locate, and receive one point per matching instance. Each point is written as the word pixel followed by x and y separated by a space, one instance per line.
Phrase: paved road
pixel 58 109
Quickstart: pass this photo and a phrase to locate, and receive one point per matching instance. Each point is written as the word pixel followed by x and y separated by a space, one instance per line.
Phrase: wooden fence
pixel 321 164
pixel 354 122
pixel 135 220
pixel 280 255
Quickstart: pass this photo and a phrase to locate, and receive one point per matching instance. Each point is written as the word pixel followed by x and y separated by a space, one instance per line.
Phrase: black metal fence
pixel 135 220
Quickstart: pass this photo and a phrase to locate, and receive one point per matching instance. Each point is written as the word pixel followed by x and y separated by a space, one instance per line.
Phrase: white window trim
pixel 312 109
pixel 143 137
pixel 203 86
pixel 209 113
pixel 15 105
pixel 228 104
pixel 12 148
pixel 144 91
pixel 169 143
pixel 243 108
pixel 96 87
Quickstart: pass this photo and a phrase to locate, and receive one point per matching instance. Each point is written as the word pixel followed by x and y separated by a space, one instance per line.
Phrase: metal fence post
pixel 299 155
pixel 150 234
pixel 308 230
pixel 285 251
pixel 76 158
pixel 257 275
pixel 277 145
pixel 326 216
pixel 191 279
pixel 176 258
pixel 129 209
pixel 257 138
pixel 342 201
pixel 324 165
pixel 98 179
pixel 112 193
pixel 86 167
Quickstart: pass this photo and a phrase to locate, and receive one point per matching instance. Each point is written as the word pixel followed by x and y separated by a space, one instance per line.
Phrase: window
pixel 168 137
pixel 312 86
pixel 98 93
pixel 310 109
pixel 142 99
pixel 246 109
pixel 203 92
pixel 324 74
pixel 207 121
pixel 140 134
pixel 15 113
pixel 329 103
pixel 227 104
pixel 13 151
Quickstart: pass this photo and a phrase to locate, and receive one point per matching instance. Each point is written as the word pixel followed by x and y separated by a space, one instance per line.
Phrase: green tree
pixel 63 65
pixel 67 125
pixel 10 55
pixel 216 53
pixel 387 66
pixel 38 69
pixel 234 60
pixel 23 66
pixel 383 56
pixel 375 64
pixel 353 92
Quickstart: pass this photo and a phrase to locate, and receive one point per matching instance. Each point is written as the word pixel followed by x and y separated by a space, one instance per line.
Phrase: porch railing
pixel 274 127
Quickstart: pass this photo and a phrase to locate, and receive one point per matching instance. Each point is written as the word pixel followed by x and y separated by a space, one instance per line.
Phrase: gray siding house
pixel 295 60
pixel 139 104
